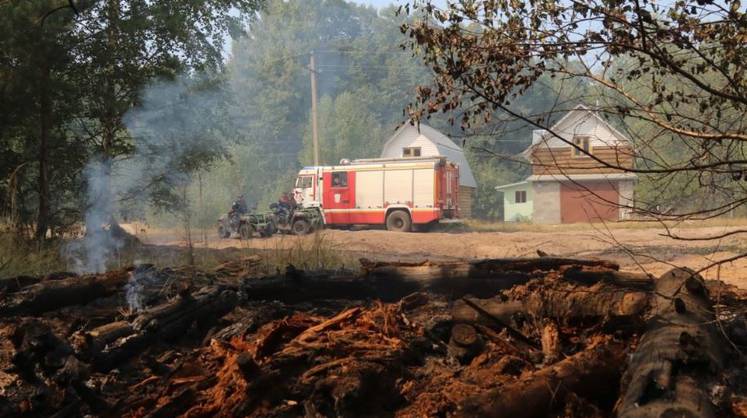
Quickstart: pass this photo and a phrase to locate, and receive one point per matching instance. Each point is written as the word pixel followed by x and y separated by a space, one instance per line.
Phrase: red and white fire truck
pixel 398 193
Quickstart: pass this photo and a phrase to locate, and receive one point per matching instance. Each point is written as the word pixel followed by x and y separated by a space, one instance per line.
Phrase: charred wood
pixel 486 268
pixel 561 301
pixel 166 321
pixel 54 294
pixel 593 275
pixel 679 356
pixel 591 374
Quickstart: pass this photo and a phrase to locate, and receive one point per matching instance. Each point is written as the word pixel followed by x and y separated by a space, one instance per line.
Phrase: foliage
pixel 68 76
pixel 672 75
pixel 675 70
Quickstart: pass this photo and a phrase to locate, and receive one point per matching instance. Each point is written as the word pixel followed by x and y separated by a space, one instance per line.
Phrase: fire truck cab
pixel 398 193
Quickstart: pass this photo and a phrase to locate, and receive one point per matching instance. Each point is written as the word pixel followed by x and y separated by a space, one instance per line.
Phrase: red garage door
pixel 588 202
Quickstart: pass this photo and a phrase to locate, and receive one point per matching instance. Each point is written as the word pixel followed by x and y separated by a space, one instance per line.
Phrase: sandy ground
pixel 636 249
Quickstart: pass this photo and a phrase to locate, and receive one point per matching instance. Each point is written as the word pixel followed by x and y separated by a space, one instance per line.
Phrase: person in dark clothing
pixel 242 207
pixel 286 202
pixel 238 208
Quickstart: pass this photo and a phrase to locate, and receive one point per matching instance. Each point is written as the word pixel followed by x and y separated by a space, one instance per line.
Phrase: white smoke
pixel 142 287
pixel 99 244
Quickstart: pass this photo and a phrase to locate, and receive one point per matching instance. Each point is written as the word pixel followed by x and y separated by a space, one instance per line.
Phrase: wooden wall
pixel 466 194
pixel 561 161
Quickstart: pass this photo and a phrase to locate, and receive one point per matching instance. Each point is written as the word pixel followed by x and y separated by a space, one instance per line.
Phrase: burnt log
pixel 592 374
pixel 680 355
pixel 593 275
pixel 54 294
pixel 167 321
pixel 576 303
pixel 550 341
pixel 14 284
pixel 495 268
pixel 87 343
pixel 390 282
pixel 482 278
pixel 464 342
pixel 562 301
pixel 303 286
pixel 298 286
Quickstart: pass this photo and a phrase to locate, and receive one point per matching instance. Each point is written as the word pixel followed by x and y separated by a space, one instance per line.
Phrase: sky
pixel 382 3
pixel 378 3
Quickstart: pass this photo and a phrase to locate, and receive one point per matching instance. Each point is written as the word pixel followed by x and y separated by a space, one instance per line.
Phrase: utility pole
pixel 314 131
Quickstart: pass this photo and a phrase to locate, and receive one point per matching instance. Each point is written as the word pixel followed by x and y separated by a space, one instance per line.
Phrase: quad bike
pixel 298 221
pixel 246 226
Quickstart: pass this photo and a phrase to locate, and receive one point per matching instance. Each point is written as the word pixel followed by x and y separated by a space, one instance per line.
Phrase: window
pixel 304 182
pixel 520 196
pixel 340 179
pixel 583 143
pixel 411 152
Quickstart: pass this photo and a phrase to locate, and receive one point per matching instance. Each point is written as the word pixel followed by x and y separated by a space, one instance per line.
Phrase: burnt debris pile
pixel 543 337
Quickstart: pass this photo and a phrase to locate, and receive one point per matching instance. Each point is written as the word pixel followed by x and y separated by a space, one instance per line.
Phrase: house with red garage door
pixel 568 185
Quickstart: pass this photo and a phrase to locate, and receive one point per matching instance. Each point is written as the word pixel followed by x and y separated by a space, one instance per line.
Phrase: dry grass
pixel 21 257
pixel 312 252
pixel 473 225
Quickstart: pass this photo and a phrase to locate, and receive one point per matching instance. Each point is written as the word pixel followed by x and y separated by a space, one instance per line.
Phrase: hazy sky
pixel 382 3
pixel 378 3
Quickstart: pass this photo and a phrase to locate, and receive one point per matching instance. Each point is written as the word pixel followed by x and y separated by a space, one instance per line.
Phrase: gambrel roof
pixel 442 145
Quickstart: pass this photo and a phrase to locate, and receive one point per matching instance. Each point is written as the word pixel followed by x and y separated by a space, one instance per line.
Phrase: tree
pixel 348 129
pixel 71 73
pixel 37 101
pixel 675 69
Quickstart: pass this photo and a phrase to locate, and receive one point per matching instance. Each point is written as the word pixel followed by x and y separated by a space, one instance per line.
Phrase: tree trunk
pixel 45 120
pixel 680 355
pixel 591 374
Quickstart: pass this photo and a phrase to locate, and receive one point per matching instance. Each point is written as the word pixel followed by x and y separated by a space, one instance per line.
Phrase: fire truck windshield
pixel 303 182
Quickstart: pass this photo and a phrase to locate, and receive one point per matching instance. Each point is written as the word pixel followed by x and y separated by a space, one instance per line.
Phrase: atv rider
pixel 286 202
pixel 284 208
pixel 238 208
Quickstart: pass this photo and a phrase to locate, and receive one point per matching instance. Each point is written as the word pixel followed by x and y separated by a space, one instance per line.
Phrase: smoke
pixel 92 254
pixel 175 132
pixel 143 285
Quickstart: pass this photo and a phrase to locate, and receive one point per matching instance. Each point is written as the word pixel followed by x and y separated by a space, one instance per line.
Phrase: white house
pixel 567 185
pixel 424 141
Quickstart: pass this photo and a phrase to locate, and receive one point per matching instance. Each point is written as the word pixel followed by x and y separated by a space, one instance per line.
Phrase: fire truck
pixel 400 193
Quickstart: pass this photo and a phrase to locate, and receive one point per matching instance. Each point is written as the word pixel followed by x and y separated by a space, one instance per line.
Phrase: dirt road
pixel 634 248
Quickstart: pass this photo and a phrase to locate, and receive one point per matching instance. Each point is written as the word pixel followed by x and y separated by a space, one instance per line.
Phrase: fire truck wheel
pixel 301 227
pixel 245 231
pixel 223 232
pixel 399 221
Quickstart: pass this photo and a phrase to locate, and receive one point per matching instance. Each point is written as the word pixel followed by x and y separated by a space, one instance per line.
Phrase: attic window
pixel 411 152
pixel 581 142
